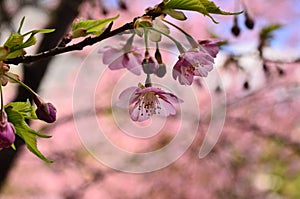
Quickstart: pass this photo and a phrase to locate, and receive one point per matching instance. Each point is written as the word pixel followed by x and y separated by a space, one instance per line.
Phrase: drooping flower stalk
pixel 178 45
pixel 190 39
pixel 148 64
pixel 45 111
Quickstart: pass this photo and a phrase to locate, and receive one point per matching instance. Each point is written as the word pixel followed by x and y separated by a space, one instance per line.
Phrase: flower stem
pixel 178 45
pixel 21 83
pixel 191 40
pixel 146 39
pixel 148 81
pixel 129 42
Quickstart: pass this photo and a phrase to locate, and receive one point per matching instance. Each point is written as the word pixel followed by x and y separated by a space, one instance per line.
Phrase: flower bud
pixel 161 71
pixel 235 30
pixel 280 71
pixel 45 111
pixel 7 132
pixel 149 66
pixel 246 85
pixel 158 56
pixel 122 5
pixel 249 22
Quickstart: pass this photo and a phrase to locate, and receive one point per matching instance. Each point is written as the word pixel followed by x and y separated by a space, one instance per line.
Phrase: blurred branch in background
pixel 60 19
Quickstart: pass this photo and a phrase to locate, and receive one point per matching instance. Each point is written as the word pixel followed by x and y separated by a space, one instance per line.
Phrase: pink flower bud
pixel 45 111
pixel 7 132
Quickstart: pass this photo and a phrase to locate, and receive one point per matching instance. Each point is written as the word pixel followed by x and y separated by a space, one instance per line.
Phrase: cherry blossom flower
pixel 7 132
pixel 126 57
pixel 195 62
pixel 145 102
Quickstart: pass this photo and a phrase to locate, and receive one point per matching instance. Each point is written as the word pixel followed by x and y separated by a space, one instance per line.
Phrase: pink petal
pixel 138 115
pixel 110 54
pixel 183 79
pixel 116 64
pixel 171 98
pixel 211 46
pixel 202 71
pixel 132 63
pixel 166 108
pixel 127 97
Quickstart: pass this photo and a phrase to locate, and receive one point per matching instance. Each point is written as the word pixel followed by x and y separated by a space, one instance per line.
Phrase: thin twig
pixel 74 47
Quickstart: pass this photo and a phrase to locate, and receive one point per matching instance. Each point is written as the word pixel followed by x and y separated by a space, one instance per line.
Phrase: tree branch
pixel 78 46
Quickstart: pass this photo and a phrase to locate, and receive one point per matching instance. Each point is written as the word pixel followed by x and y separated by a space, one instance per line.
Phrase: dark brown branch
pixel 33 74
pixel 78 46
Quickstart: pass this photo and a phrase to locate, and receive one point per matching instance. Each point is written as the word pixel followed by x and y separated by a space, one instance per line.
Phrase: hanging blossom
pixel 197 61
pixel 145 102
pixel 7 132
pixel 126 57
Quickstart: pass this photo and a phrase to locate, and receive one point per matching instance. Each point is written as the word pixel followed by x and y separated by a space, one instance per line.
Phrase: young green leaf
pixel 17 112
pixel 175 14
pixel 21 25
pixel 14 41
pixel 24 108
pixel 14 45
pixel 15 53
pixel 32 40
pixel 82 28
pixel 44 31
pixel 29 42
pixel 267 32
pixel 205 7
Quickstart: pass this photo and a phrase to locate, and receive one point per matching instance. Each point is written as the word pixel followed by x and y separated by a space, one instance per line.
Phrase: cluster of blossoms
pixel 145 100
pixel 44 111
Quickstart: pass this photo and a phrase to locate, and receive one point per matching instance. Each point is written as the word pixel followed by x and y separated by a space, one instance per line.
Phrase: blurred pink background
pixel 256 156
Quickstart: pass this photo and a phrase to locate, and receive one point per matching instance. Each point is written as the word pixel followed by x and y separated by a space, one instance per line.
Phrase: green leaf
pixel 83 28
pixel 267 32
pixel 175 14
pixel 14 41
pixel 205 7
pixel 32 40
pixel 29 42
pixel 17 112
pixel 15 53
pixel 44 31
pixel 24 108
pixel 21 25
